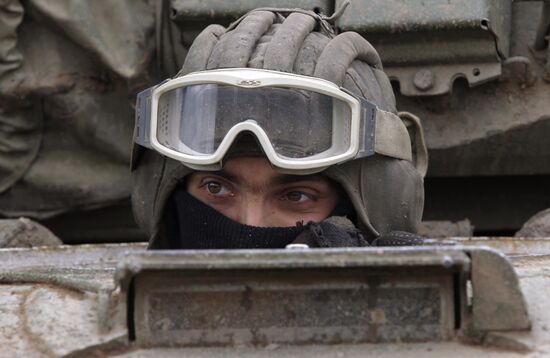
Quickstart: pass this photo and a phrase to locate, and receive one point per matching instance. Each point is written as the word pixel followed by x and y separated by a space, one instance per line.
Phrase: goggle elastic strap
pixel 381 132
pixel 143 118
pixel 368 126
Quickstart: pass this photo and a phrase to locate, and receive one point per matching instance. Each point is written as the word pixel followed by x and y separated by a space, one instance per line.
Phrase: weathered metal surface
pixel 495 129
pixel 61 322
pixel 51 321
pixel 34 313
pixel 83 267
pixel 318 296
pixel 426 45
pixel 59 301
pixel 497 302
pixel 513 247
pixel 24 232
pixel 200 10
pixel 462 228
pixel 424 350
pixel 533 273
pixel 13 340
pixel 294 307
pixel 538 225
pixel 284 259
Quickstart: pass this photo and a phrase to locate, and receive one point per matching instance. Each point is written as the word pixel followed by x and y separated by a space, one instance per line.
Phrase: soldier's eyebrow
pixel 277 180
pixel 284 179
pixel 226 175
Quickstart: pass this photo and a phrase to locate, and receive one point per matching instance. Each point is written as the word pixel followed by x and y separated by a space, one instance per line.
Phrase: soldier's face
pixel 249 191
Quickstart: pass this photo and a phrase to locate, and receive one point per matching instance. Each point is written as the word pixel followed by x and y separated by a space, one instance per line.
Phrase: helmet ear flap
pixel 416 133
pixel 147 174
pixel 387 193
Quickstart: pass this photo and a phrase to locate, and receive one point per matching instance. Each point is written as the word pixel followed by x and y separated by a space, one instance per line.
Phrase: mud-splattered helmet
pixel 384 187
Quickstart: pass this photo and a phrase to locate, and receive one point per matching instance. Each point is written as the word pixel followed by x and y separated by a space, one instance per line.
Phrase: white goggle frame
pixel 363 135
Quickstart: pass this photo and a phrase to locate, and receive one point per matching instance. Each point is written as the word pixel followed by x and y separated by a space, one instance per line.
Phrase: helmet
pixel 386 190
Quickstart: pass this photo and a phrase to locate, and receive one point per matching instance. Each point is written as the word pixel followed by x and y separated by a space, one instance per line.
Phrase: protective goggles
pixel 303 124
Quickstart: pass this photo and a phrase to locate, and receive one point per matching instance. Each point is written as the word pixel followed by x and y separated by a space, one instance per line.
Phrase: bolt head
pixel 424 79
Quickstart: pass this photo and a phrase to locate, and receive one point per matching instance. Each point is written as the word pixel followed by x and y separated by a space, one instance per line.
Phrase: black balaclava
pixel 199 226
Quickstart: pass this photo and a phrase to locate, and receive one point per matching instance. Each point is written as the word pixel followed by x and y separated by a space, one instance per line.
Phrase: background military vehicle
pixel 475 71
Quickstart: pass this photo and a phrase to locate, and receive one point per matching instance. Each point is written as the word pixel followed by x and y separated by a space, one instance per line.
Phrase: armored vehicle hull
pixel 464 299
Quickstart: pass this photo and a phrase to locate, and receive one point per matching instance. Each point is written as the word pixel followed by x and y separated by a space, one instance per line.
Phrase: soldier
pixel 276 131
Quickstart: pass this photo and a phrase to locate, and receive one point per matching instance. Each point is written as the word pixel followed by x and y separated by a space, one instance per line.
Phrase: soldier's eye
pixel 297 196
pixel 216 188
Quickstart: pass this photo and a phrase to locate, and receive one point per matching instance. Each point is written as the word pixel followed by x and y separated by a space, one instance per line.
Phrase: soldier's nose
pixel 253 214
